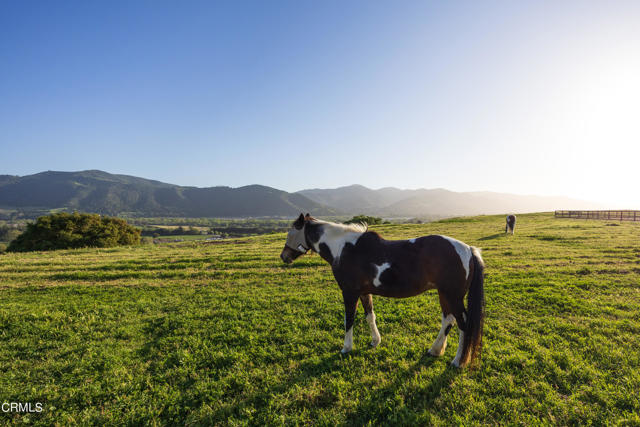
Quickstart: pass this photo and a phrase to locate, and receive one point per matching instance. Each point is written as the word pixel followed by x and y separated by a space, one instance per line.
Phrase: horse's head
pixel 296 243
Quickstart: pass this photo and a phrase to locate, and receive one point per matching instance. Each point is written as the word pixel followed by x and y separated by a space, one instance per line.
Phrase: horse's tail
pixel 472 345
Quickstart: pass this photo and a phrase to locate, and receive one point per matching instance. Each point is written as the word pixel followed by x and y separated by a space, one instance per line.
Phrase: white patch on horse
pixel 464 252
pixel 456 360
pixel 440 344
pixel 375 335
pixel 348 341
pixel 412 240
pixel 380 269
pixel 336 236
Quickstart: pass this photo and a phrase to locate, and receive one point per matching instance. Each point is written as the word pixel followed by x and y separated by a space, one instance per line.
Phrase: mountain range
pixel 436 203
pixel 105 193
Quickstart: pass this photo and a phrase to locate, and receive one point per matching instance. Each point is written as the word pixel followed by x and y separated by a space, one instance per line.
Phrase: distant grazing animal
pixel 365 264
pixel 511 224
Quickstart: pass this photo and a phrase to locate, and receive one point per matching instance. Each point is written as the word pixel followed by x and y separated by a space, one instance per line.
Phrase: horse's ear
pixel 299 223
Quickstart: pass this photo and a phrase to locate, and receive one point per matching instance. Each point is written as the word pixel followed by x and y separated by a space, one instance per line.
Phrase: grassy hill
pixel 199 333
pixel 105 193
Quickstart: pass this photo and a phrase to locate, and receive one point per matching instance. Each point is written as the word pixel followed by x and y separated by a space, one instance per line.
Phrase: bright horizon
pixel 527 98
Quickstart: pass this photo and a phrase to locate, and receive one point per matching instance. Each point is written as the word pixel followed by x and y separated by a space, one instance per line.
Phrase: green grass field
pixel 170 239
pixel 223 333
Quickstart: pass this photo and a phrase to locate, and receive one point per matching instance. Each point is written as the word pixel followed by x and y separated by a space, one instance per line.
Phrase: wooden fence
pixel 626 215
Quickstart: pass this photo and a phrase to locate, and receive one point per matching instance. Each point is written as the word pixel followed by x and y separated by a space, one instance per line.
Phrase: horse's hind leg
pixel 350 306
pixel 461 316
pixel 448 320
pixel 367 304
pixel 440 344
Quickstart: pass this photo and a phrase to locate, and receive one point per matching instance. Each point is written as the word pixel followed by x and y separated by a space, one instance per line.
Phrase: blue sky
pixel 522 97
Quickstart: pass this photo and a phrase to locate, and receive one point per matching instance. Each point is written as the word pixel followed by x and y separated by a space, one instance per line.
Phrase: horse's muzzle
pixel 289 255
pixel 286 258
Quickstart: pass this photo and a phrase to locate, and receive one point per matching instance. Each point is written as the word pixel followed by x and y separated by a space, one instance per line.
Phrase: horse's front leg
pixel 367 304
pixel 350 306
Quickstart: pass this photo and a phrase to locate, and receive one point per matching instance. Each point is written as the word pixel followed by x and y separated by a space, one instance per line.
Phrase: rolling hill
pixel 101 192
pixel 435 203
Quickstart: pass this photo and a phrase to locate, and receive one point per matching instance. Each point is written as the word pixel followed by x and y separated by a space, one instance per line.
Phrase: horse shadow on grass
pixel 259 400
pixel 402 398
pixel 161 353
pixel 158 330
pixel 383 407
pixel 376 407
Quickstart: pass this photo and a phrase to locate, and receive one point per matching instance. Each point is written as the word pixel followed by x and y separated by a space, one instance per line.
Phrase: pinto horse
pixel 365 264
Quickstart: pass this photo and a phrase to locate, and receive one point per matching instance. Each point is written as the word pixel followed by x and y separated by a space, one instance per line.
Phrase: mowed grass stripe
pixel 198 333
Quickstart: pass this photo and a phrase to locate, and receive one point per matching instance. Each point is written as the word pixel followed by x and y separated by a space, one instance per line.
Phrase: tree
pixel 369 220
pixel 67 231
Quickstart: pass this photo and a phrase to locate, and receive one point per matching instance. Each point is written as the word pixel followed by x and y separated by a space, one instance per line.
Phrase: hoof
pixel 374 344
pixel 345 350
pixel 435 353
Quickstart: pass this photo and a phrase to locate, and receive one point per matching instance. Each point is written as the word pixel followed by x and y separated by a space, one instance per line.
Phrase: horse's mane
pixel 347 228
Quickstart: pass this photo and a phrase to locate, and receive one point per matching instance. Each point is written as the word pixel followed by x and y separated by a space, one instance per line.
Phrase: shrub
pixel 8 233
pixel 67 231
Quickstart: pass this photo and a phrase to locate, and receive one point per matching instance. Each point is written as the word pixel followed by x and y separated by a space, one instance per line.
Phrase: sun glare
pixel 597 132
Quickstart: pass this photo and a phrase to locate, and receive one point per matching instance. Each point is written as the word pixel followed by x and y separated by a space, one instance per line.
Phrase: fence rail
pixel 624 215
